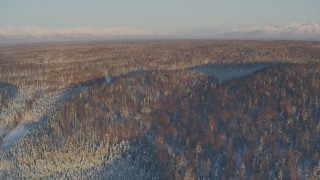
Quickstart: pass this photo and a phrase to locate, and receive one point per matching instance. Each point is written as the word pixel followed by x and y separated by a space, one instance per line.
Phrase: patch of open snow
pixel 15 134
pixel 108 79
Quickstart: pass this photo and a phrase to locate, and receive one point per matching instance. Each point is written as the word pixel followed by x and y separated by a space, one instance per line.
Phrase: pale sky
pixel 150 16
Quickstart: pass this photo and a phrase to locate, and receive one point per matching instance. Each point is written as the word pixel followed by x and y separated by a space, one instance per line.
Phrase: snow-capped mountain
pixel 34 34
pixel 40 32
pixel 289 28
pixel 294 30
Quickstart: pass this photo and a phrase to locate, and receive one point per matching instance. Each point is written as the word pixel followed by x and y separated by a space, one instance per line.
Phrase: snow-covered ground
pixel 13 135
pixel 43 105
pixel 28 117
pixel 18 110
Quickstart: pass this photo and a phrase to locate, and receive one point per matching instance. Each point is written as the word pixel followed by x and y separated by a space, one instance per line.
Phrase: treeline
pixel 69 64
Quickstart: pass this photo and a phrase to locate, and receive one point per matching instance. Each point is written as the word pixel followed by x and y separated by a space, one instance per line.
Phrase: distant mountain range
pixel 291 28
pixel 294 30
pixel 44 34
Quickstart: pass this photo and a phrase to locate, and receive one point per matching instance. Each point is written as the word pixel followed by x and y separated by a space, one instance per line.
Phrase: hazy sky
pixel 156 15
pixel 176 16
